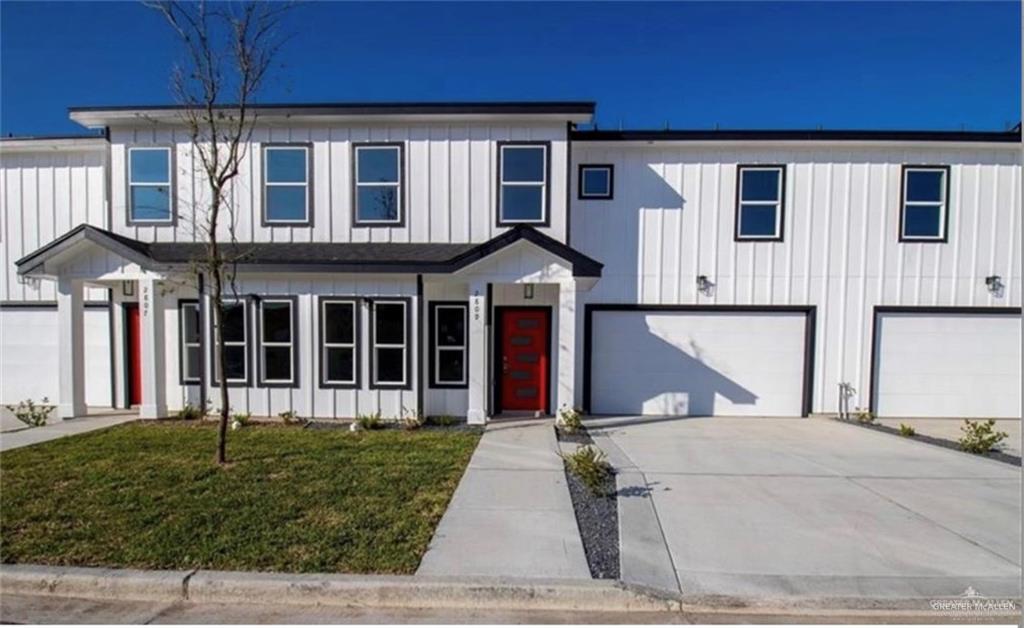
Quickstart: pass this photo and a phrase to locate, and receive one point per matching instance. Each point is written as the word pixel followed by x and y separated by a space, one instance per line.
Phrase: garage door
pixel 947 365
pixel 698 363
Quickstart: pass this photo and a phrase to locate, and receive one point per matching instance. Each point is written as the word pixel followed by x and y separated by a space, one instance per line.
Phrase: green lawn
pixel 149 496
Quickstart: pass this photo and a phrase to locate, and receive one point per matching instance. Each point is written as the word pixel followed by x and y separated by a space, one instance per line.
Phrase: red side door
pixel 524 359
pixel 133 353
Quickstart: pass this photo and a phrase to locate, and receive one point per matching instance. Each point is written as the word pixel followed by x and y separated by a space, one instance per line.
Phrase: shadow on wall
pixel 613 228
pixel 663 378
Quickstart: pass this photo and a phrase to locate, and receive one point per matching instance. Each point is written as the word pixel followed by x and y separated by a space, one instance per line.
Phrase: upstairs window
pixel 448 329
pixel 286 185
pixel 595 182
pixel 339 327
pixel 149 185
pixel 389 338
pixel 236 344
pixel 760 202
pixel 277 342
pixel 523 183
pixel 378 184
pixel 190 351
pixel 924 204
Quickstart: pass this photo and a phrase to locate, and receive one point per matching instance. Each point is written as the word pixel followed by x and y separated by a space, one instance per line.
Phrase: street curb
pixel 331 589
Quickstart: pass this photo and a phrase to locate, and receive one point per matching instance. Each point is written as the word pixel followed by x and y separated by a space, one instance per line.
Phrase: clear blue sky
pixel 740 65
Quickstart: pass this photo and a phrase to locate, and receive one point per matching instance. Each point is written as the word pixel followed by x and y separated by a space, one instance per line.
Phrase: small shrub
pixel 906 430
pixel 31 414
pixel 570 420
pixel 290 418
pixel 189 412
pixel 411 420
pixel 443 421
pixel 590 465
pixel 864 416
pixel 370 421
pixel 980 437
pixel 240 420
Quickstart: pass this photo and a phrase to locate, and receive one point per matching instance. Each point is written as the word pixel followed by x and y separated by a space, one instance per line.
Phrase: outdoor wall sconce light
pixel 527 290
pixel 994 284
pixel 128 288
pixel 704 285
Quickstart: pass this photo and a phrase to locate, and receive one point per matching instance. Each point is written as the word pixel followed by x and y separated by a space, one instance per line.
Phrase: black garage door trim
pixel 810 327
pixel 880 310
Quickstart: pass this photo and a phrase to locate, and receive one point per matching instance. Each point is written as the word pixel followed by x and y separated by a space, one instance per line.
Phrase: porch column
pixel 476 413
pixel 154 382
pixel 70 348
pixel 565 396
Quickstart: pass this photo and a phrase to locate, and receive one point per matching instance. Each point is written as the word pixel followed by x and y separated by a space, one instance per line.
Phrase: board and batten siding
pixel 449 176
pixel 44 194
pixel 672 219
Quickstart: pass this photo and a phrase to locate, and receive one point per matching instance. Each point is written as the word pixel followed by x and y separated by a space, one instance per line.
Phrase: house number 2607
pixel 476 305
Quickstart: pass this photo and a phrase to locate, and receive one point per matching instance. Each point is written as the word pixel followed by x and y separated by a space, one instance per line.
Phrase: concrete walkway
pixel 511 514
pixel 783 508
pixel 97 419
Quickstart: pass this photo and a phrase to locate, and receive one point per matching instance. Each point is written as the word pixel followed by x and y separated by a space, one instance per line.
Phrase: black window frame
pixel 184 304
pixel 261 344
pixel 433 346
pixel 172 210
pixel 944 221
pixel 265 219
pixel 581 193
pixel 407 346
pixel 402 183
pixel 322 347
pixel 499 185
pixel 246 302
pixel 780 221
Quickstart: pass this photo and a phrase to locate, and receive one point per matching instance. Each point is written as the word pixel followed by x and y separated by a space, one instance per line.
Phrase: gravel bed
pixel 597 517
pixel 938 442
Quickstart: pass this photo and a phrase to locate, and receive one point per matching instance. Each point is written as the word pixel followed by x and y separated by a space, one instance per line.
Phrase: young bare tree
pixel 229 49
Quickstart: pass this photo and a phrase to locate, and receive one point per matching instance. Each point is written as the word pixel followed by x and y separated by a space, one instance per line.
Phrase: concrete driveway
pixel 762 507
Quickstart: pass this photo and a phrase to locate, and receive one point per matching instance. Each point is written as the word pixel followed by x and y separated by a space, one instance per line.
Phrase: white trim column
pixel 476 413
pixel 71 347
pixel 565 394
pixel 154 382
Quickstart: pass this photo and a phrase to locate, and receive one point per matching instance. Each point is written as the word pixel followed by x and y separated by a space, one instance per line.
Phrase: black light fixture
pixel 994 284
pixel 128 288
pixel 527 290
pixel 704 285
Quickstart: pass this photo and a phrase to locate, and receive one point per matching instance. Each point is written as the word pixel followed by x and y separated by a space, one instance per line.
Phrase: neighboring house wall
pixel 672 219
pixel 449 176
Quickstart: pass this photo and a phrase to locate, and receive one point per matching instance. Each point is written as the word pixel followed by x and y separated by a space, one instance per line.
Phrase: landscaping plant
pixel 412 420
pixel 240 420
pixel 189 412
pixel 570 420
pixel 31 414
pixel 980 437
pixel 589 464
pixel 443 421
pixel 289 417
pixel 370 421
pixel 864 416
pixel 906 430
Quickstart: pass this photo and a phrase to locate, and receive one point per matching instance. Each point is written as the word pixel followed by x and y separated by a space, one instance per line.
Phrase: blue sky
pixel 692 65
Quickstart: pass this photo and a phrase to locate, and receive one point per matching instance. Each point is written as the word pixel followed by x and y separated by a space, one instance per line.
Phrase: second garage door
pixel 698 363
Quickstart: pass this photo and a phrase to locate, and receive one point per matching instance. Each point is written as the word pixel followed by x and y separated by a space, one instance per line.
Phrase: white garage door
pixel 697 363
pixel 948 365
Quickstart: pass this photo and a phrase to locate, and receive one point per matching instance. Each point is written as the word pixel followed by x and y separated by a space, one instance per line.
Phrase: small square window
pixel 286 197
pixel 596 182
pixel 924 207
pixel 378 184
pixel 522 183
pixel 149 185
pixel 760 202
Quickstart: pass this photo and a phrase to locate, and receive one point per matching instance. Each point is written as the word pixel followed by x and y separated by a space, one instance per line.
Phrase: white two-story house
pixel 487 259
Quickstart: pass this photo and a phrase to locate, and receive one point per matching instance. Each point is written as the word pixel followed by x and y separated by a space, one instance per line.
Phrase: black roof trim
pixel 389 108
pixel 409 257
pixel 795 135
pixel 51 138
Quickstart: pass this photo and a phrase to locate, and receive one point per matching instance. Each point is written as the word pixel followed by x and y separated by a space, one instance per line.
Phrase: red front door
pixel 524 358
pixel 133 353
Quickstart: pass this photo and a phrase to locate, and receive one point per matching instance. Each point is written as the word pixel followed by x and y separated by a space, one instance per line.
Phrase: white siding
pixel 673 213
pixel 450 182
pixel 43 195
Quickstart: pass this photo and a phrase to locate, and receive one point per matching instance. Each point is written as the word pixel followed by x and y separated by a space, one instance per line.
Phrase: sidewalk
pixel 97 419
pixel 511 514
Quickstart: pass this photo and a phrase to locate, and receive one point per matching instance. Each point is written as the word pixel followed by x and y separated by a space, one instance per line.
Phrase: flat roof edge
pixel 795 135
